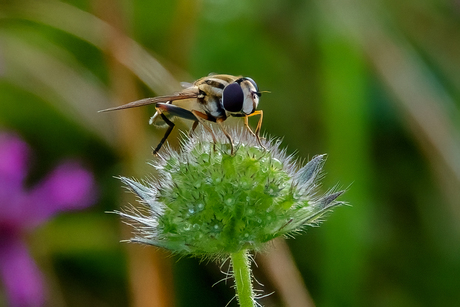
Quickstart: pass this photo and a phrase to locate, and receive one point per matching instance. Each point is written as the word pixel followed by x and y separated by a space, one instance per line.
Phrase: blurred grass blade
pixel 97 32
pixel 438 37
pixel 425 103
pixel 285 276
pixel 55 76
pixel 345 114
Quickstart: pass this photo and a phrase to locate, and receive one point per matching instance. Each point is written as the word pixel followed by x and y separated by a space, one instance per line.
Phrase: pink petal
pixel 68 187
pixel 14 155
pixel 21 278
pixel 12 201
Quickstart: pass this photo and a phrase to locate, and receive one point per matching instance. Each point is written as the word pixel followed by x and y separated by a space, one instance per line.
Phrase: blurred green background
pixel 375 84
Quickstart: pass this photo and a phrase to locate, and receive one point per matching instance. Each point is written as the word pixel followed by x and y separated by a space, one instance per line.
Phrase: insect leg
pixel 175 111
pixel 246 124
pixel 170 128
pixel 219 121
pixel 259 124
pixel 201 117
pixel 194 125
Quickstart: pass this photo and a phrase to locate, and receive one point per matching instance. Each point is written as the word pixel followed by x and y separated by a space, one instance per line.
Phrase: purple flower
pixel 67 187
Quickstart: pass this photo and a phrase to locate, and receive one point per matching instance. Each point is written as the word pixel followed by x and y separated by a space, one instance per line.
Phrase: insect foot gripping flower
pixel 207 202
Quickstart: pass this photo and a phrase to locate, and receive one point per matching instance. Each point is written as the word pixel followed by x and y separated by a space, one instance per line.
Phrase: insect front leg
pixel 259 125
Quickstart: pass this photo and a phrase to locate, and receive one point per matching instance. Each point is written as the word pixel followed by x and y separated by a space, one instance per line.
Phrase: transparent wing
pixel 186 84
pixel 154 100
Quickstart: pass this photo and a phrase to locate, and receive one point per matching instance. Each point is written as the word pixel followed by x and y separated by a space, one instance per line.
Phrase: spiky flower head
pixel 204 201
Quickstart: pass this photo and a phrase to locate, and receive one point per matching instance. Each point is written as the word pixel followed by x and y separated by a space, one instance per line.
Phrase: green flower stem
pixel 242 275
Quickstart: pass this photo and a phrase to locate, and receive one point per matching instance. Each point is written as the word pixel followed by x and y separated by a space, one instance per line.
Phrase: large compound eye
pixel 233 97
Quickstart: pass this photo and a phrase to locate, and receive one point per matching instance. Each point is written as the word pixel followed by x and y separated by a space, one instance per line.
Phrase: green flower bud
pixel 205 201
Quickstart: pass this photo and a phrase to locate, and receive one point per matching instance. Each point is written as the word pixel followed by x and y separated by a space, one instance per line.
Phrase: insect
pixel 209 99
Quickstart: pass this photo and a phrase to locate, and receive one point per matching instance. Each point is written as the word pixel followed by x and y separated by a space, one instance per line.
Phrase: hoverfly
pixel 213 98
